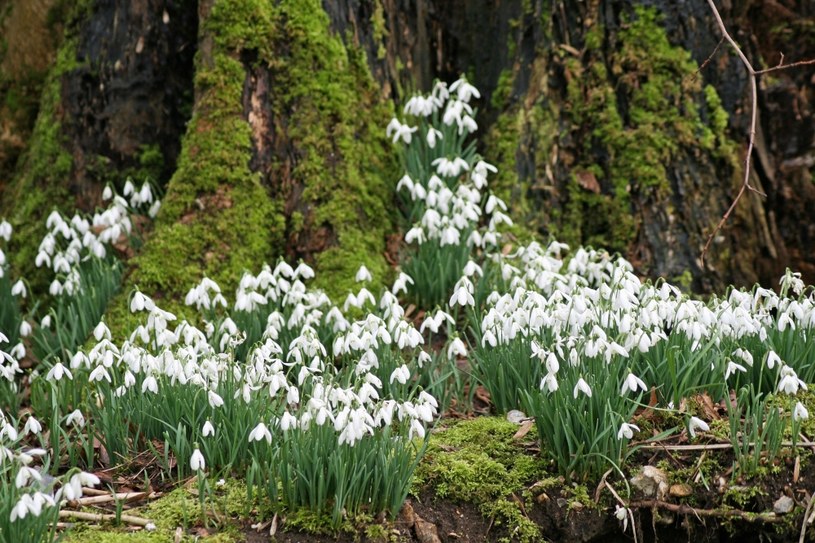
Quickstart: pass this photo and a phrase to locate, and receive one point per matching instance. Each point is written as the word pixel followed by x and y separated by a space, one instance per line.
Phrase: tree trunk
pixel 271 143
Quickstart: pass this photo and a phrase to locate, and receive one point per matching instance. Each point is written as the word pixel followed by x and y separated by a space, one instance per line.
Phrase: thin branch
pixel 754 99
pixel 785 66
pixel 753 73
pixel 683 509
pixel 713 446
pixel 708 59
pixel 94 517
pixel 810 503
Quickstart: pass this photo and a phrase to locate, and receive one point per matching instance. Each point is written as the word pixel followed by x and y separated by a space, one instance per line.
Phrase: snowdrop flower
pixel 363 275
pixel 773 359
pixel 76 418
pixel 57 372
pixel 456 348
pixel 401 283
pixel 464 90
pixel 400 131
pixel 288 421
pixel 32 426
pixel 260 432
pixel 622 514
pixel 581 386
pixel 101 331
pixel 197 462
pixel 800 412
pixel 789 383
pixel 627 431
pixel 744 355
pixel 549 382
pixel 432 136
pixel 732 368
pixel 400 374
pixel 208 430
pixel 416 234
pixel 5 230
pixel 697 424
pixel 462 296
pixel 46 321
pixel 150 384
pixel 107 193
pixel 215 401
pixel 632 383
pixel 450 168
pixel 25 329
pixel 18 289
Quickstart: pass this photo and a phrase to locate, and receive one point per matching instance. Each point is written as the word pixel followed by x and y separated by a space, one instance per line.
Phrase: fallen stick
pixel 712 446
pixel 95 517
pixel 717 513
pixel 125 497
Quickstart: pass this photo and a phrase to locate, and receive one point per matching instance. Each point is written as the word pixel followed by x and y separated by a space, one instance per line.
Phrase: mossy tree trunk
pixel 264 122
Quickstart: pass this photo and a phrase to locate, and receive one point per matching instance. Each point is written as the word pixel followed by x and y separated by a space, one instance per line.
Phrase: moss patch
pixel 219 218
pixel 478 461
pixel 631 107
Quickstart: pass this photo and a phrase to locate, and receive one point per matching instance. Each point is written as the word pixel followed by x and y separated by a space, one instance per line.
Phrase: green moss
pixel 40 185
pixel 380 31
pixel 630 99
pixel 478 461
pixel 218 218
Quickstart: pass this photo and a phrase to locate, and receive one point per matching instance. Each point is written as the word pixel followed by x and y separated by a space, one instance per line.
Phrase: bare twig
pixel 712 446
pixel 753 73
pixel 125 497
pixel 94 517
pixel 683 509
pixel 708 59
pixel 629 513
pixel 810 503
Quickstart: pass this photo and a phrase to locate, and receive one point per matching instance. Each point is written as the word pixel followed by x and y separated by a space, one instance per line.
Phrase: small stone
pixel 681 491
pixel 516 417
pixel 783 505
pixel 651 481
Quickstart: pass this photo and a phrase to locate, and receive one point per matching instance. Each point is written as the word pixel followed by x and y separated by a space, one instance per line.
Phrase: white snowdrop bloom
pixel 32 426
pixel 773 359
pixel 464 90
pixel 363 275
pixel 400 374
pixel 25 329
pixel 456 349
pixel 288 421
pixel 416 429
pixel 627 431
pixel 423 358
pixel 208 429
pixel 420 106
pixel 5 230
pixel 293 395
pixel 150 384
pixel 400 131
pixel 18 289
pixel 789 382
pixel 433 135
pixel 401 283
pixel 450 168
pixel 800 412
pixel 8 431
pixel 101 332
pixel 107 193
pixel 695 424
pixel 581 386
pixel 415 234
pixel 214 399
pixel 405 182
pixel 462 297
pixel 632 383
pixel 75 418
pixel 98 374
pixel 259 433
pixel 549 382
pixel 26 474
pixel 57 372
pixel 56 288
pixel 732 368
pixel 304 271
pixel 197 462
pixel 744 355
